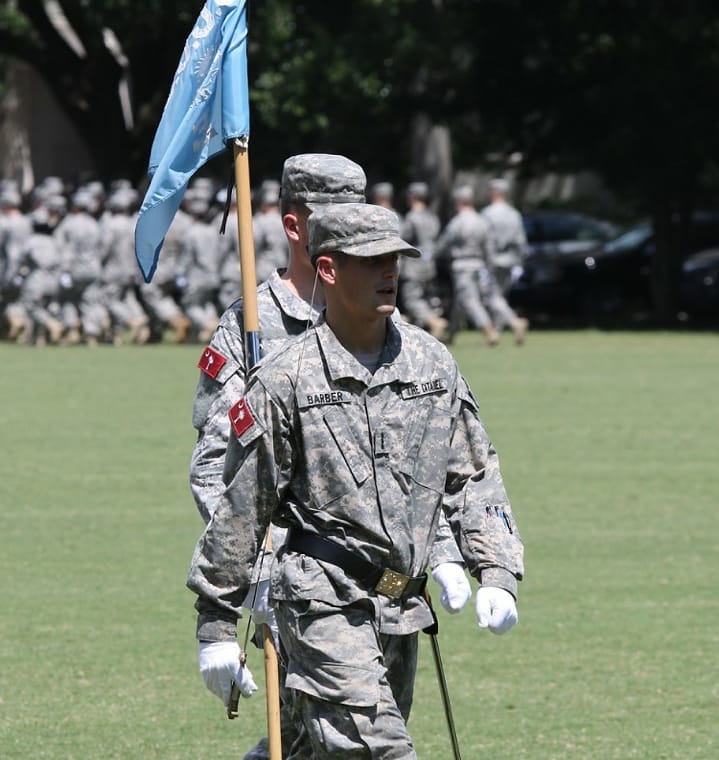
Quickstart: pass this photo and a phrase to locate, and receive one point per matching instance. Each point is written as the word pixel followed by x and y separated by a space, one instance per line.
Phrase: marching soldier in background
pixel 467 241
pixel 204 254
pixel 468 246
pixel 162 295
pixel 420 228
pixel 230 272
pixel 382 194
pixel 356 436
pixel 269 234
pixel 119 270
pixel 15 230
pixel 39 292
pixel 509 236
pixel 78 238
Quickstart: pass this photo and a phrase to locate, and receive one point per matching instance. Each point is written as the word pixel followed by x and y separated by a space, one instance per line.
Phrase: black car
pixel 699 285
pixel 550 232
pixel 611 282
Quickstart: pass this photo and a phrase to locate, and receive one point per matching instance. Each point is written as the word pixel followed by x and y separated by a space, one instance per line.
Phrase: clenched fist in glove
pixel 496 609
pixel 219 663
pixel 455 588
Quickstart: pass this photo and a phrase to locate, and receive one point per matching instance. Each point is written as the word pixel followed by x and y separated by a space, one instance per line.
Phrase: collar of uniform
pixel 290 303
pixel 396 365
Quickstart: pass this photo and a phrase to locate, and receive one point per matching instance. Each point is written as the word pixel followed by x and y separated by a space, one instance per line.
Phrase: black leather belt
pixel 381 579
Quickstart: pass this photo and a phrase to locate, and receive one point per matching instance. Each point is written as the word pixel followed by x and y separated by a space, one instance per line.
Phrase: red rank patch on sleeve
pixel 241 417
pixel 211 362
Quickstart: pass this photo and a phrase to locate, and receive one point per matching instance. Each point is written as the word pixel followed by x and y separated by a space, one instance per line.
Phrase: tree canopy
pixel 622 88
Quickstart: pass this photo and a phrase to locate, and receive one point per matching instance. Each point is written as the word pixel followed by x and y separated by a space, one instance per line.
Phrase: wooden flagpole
pixel 252 355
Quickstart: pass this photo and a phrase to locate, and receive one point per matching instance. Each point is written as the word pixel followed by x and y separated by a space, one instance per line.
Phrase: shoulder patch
pixel 241 417
pixel 211 362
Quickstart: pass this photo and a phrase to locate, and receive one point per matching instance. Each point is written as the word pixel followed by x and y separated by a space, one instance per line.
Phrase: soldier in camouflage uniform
pixel 160 297
pixel 81 298
pixel 467 241
pixel 420 227
pixel 287 304
pixel 356 436
pixel 119 270
pixel 204 258
pixel 15 231
pixel 509 236
pixel 271 248
pixel 285 307
pixel 40 262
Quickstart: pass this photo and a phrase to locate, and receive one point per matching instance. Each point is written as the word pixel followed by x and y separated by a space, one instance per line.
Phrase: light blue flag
pixel 208 105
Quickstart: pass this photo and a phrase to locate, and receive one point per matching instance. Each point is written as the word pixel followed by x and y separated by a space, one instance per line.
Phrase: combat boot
pixel 139 330
pixel 55 330
pixel 491 334
pixel 207 331
pixel 520 327
pixel 25 332
pixel 15 326
pixel 72 337
pixel 181 328
pixel 437 327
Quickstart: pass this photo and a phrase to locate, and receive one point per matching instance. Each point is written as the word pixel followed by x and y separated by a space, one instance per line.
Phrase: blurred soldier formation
pixel 68 273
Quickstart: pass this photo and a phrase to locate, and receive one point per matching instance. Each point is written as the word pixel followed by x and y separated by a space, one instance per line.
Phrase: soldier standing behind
pixel 420 228
pixel 357 436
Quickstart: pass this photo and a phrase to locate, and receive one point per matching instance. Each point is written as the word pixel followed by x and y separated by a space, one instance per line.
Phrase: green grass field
pixel 608 444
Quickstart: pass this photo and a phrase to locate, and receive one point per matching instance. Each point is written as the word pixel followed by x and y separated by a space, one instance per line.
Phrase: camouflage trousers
pixel 352 687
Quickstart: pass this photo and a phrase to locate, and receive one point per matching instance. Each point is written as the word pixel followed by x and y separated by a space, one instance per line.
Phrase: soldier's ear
pixel 291 223
pixel 326 269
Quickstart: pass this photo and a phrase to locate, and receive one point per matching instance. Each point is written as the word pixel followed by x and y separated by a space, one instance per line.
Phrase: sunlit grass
pixel 608 447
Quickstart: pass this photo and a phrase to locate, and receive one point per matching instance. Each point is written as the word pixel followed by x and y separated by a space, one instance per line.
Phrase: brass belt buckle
pixel 391 584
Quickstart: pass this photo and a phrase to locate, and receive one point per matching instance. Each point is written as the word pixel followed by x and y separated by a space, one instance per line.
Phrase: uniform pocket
pixel 333 652
pixel 337 462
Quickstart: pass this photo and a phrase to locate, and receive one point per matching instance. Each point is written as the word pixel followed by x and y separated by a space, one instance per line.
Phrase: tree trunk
pixel 670 233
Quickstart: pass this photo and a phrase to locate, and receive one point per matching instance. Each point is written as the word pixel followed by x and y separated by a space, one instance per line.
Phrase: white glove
pixel 262 612
pixel 219 663
pixel 496 609
pixel 455 588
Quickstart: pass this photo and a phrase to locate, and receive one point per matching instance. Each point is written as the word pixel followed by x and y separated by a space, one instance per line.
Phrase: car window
pixel 553 228
pixel 632 238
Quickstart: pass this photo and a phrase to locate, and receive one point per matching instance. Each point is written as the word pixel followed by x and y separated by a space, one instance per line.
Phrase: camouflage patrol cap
pixel 322 178
pixel 499 185
pixel 463 194
pixel 419 190
pixel 357 229
pixel 10 198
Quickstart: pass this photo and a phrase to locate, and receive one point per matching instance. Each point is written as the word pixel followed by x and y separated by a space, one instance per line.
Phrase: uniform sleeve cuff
pixel 499 578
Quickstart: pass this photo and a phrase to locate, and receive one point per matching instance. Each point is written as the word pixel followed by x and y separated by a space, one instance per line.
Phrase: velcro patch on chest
pixel 241 417
pixel 211 362
pixel 413 390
